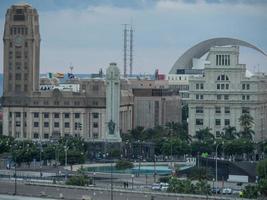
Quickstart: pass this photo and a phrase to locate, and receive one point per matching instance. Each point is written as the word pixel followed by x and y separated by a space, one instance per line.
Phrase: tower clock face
pixel 19 40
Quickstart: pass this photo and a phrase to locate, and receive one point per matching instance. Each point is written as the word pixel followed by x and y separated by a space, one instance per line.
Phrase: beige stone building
pixel 30 113
pixel 155 104
pixel 224 92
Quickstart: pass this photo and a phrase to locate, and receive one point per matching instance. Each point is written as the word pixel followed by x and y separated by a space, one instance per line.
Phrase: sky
pixel 88 34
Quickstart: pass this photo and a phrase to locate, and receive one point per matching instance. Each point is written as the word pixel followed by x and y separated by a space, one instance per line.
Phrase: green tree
pixel 79 180
pixel 246 122
pixel 262 169
pixel 177 146
pixel 204 135
pixel 198 147
pixel 230 133
pixel 5 143
pixel 251 192
pixel 124 164
pixel 201 173
pixel 238 147
pixel 202 187
pixel 181 186
pixel 262 186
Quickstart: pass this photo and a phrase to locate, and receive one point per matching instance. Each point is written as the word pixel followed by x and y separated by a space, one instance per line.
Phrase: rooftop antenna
pixel 131 50
pixel 125 34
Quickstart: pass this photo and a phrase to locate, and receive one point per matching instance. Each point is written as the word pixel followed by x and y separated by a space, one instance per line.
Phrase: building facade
pixel 224 92
pixel 156 107
pixel 30 113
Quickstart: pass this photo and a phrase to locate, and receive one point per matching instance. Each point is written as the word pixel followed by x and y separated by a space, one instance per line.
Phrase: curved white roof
pixel 197 51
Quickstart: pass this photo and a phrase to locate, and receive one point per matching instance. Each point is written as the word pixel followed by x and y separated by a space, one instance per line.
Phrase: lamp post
pixel 155 168
pixel 66 158
pixel 94 178
pixel 132 180
pixel 14 147
pixel 216 165
pixel 41 150
pixel 111 182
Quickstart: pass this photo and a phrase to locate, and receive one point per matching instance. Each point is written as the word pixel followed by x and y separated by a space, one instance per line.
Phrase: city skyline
pixel 89 33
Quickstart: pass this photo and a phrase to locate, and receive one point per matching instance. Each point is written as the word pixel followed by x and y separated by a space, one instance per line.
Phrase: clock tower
pixel 21 51
pixel 113 103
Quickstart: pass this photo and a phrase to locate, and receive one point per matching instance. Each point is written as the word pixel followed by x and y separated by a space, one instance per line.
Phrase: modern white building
pixel 224 92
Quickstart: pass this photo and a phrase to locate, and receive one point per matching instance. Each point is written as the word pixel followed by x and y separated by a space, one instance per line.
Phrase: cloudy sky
pixel 88 33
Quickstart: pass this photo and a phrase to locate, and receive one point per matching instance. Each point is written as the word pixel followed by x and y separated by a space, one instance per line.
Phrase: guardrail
pixel 138 192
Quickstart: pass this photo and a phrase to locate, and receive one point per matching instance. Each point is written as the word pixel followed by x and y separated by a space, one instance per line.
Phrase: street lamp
pixel 94 178
pixel 41 163
pixel 111 182
pixel 66 159
pixel 155 172
pixel 216 164
pixel 132 180
pixel 15 160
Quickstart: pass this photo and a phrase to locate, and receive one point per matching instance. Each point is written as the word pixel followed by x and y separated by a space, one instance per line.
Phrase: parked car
pixel 227 191
pixel 160 187
pixel 156 186
pixel 215 190
pixel 164 187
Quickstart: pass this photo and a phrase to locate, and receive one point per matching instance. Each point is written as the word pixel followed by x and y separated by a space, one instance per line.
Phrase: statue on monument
pixel 111 127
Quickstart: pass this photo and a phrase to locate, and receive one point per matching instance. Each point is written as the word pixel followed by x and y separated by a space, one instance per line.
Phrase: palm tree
pixel 204 135
pixel 178 130
pixel 230 133
pixel 246 122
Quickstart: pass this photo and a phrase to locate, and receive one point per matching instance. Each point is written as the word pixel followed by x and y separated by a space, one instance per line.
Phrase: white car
pixel 160 187
pixel 164 187
pixel 227 191
pixel 156 186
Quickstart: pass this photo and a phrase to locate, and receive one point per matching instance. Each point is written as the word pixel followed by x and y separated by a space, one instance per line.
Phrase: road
pixel 77 193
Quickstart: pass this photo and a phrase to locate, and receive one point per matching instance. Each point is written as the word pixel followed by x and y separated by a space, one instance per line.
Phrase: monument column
pixel 113 104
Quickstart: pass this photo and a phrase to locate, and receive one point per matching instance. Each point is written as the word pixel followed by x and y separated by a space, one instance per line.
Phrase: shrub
pixel 79 180
pixel 251 192
pixel 124 164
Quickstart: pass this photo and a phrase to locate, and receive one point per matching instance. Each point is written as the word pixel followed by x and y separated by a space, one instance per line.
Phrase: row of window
pixel 200 109
pixel 219 96
pixel 18 66
pixel 77 125
pixel 177 78
pixel 56 115
pixel 218 110
pixel 245 86
pixel 199 86
pixel 223 60
pixel 222 77
pixel 200 122
pixel 18 30
pixel 223 86
pixel 46 135
pixel 18 76
pixel 65 103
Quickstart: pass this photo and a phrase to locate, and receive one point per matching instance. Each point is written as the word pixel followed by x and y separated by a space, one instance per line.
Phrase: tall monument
pixel 21 51
pixel 113 103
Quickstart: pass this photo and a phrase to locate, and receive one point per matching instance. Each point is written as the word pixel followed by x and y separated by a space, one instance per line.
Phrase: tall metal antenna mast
pixel 131 50
pixel 125 50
